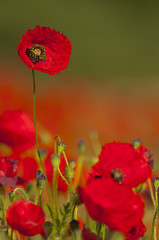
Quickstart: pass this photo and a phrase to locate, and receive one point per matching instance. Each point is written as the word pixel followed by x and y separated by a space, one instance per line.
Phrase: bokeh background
pixel 111 85
pixel 110 88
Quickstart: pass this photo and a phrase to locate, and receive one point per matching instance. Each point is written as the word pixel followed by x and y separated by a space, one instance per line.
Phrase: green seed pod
pixel 136 143
pixel 72 163
pixel 61 147
pixel 55 160
pixel 69 172
pixel 48 227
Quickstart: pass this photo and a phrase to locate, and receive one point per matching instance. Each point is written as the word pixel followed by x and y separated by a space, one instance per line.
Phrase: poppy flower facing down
pixel 45 50
pixel 26 217
pixel 17 130
pixel 113 204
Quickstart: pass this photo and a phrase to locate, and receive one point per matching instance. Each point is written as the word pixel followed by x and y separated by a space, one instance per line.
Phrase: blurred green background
pixel 111 39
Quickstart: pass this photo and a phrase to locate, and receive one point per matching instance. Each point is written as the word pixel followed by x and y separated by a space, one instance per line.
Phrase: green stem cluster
pixel 154 223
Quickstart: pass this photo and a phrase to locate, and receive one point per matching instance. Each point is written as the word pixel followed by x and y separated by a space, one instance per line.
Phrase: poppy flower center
pixel 117 174
pixel 36 53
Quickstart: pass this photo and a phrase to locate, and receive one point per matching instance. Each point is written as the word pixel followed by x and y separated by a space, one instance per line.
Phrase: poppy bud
pixel 43 153
pixel 61 147
pixel 74 224
pixel 38 172
pixel 40 178
pixel 136 143
pixel 48 226
pixel 55 160
pixel 69 172
pixel 76 199
pixel 72 163
pixel 81 145
pixel 3 228
pixel 156 182
pixel 12 196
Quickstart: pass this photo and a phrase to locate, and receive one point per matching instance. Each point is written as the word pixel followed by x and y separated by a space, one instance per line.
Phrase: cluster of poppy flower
pixel 108 194
pixel 109 188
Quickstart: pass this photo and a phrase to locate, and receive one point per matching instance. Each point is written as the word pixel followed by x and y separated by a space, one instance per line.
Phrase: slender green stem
pixel 151 192
pixel 21 189
pixel 103 233
pixel 73 235
pixel 154 223
pixel 36 194
pixel 2 208
pixel 70 190
pixel 71 204
pixel 54 202
pixel 64 179
pixel 40 197
pixel 57 176
pixel 64 154
pixel 55 144
pixel 11 234
pixel 36 137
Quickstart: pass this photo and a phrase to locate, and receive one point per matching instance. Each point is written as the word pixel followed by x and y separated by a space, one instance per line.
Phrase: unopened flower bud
pixel 69 172
pixel 156 182
pixel 81 145
pixel 74 224
pixel 40 178
pixel 61 147
pixel 11 196
pixel 3 228
pixel 43 153
pixel 76 199
pixel 55 160
pixel 48 226
pixel 72 163
pixel 38 172
pixel 136 143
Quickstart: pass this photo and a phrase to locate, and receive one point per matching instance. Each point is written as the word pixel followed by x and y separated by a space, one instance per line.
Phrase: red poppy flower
pixel 8 167
pixel 113 204
pixel 123 163
pixel 17 130
pixel 137 232
pixel 27 168
pixel 26 217
pixel 45 50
